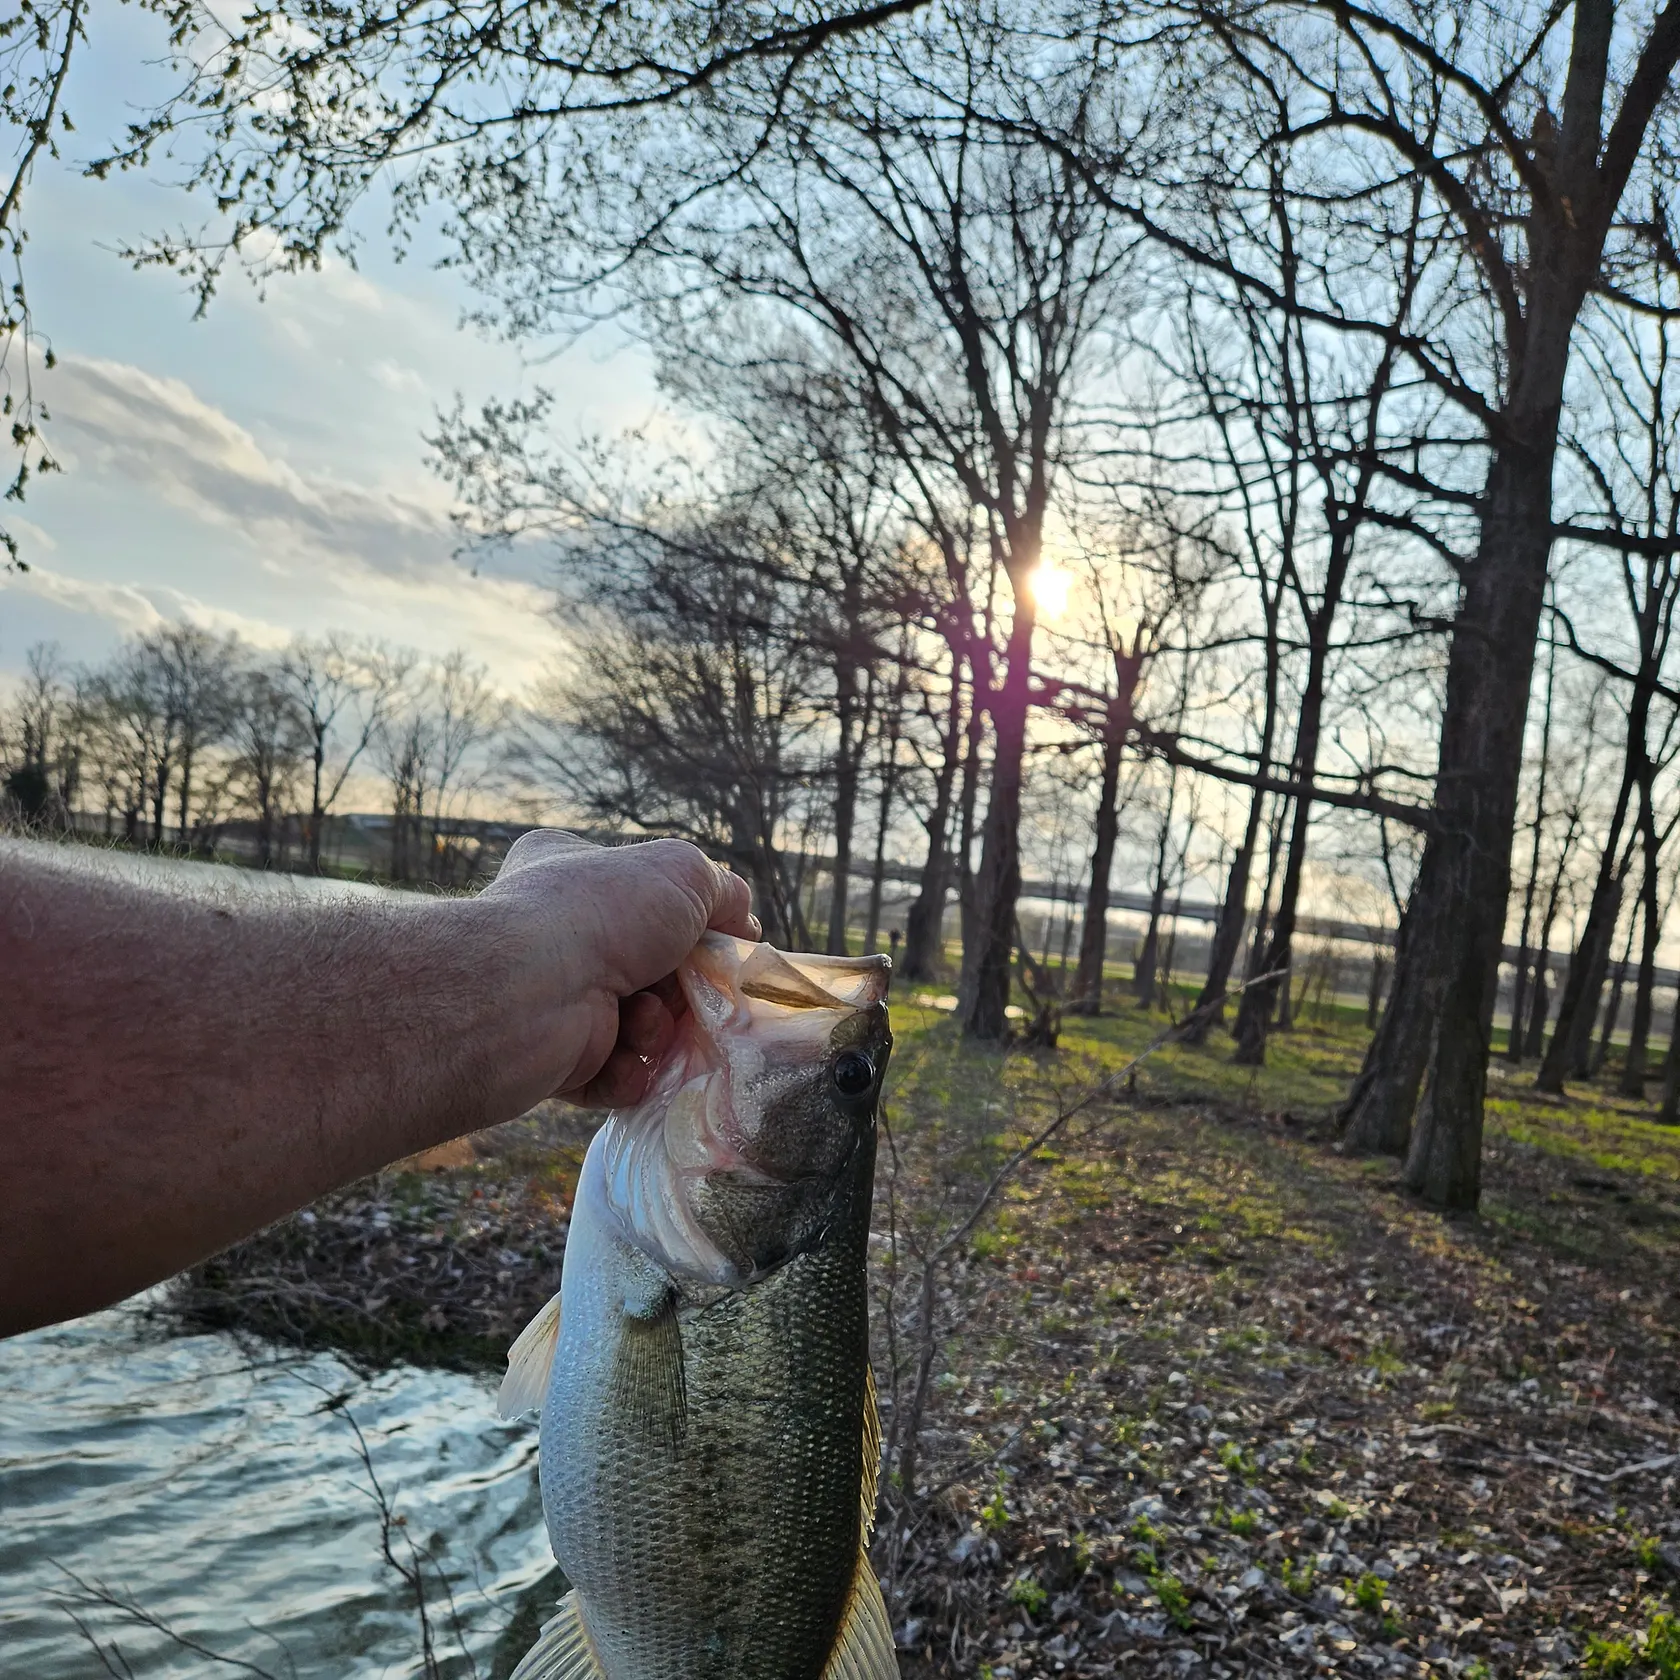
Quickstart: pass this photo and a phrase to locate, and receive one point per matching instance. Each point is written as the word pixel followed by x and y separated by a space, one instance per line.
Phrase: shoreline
pixel 439 1260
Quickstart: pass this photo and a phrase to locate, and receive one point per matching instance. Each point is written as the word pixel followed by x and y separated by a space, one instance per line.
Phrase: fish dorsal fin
pixel 871 1452
pixel 530 1360
pixel 864 1650
pixel 564 1651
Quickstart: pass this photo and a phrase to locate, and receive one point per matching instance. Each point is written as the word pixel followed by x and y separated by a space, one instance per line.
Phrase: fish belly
pixel 710 1527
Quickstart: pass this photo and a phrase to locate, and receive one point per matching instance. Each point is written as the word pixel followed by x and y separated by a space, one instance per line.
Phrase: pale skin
pixel 178 1072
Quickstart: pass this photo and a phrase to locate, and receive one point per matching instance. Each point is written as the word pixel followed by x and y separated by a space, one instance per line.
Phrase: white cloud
pixel 133 608
pixel 123 605
pixel 157 432
pixel 282 551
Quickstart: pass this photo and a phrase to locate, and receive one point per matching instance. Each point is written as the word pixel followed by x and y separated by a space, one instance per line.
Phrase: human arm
pixel 177 1071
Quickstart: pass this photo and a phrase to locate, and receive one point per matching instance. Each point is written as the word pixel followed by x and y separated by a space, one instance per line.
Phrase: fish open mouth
pixel 757 1024
pixel 761 974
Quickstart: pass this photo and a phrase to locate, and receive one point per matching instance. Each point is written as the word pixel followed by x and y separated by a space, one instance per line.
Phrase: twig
pixel 95 1592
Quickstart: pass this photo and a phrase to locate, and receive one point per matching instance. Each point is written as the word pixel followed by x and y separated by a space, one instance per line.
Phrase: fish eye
pixel 853 1073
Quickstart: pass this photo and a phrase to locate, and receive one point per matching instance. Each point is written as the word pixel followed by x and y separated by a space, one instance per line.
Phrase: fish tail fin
pixel 864 1650
pixel 564 1652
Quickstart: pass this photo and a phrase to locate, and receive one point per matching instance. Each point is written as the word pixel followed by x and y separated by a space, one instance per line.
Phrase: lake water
pixel 218 1489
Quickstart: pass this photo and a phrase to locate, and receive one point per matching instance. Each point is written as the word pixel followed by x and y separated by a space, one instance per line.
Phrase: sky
pixel 261 469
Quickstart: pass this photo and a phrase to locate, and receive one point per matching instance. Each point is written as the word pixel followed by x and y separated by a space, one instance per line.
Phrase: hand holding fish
pixel 601 932
pixel 181 1065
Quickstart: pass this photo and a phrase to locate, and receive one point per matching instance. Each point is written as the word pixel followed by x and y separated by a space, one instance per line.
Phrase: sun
pixel 1050 587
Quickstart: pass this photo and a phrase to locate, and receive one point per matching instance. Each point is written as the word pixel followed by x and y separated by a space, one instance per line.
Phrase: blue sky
pixel 260 469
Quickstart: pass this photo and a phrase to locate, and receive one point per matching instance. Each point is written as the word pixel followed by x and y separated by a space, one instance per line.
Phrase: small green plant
pixel 1082 1552
pixel 994 1514
pixel 1392 1627
pixel 1244 1523
pixel 1607 1657
pixel 1027 1593
pixel 1145 1532
pixel 1368 1592
pixel 1336 1510
pixel 1478 1670
pixel 1174 1600
pixel 1305 1462
pixel 1648 1551
pixel 1234 1459
pixel 1662 1646
pixel 1298 1580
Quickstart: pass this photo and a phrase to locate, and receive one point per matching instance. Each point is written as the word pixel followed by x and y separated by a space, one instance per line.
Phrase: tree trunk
pixel 1519 981
pixel 183 806
pixel 965 858
pixel 1374 990
pixel 1613 1011
pixel 1572 1035
pixel 1254 1013
pixel 1263 911
pixel 847 760
pixel 1143 973
pixel 1227 934
pixel 998 884
pixel 1376 1118
pixel 1539 1008
pixel 318 757
pixel 1638 1050
pixel 1093 936
pixel 924 927
pixel 878 866
pixel 160 798
pixel 1519 999
pixel 1595 968
pixel 1441 1016
pixel 1539 1004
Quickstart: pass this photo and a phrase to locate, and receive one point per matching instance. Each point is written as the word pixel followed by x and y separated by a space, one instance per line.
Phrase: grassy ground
pixel 1208 1398
pixel 1216 1399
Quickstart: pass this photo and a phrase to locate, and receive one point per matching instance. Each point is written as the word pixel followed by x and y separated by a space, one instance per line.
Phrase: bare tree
pixel 344 690
pixel 42 775
pixel 433 744
pixel 683 709
pixel 271 736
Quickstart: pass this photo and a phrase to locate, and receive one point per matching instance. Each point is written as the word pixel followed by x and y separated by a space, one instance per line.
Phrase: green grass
pixel 1590 1176
pixel 1031 1597
pixel 1298 1579
pixel 1607 1658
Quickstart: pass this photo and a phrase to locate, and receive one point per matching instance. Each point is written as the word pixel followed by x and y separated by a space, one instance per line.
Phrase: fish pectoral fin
pixel 564 1651
pixel 649 1383
pixel 530 1360
pixel 864 1650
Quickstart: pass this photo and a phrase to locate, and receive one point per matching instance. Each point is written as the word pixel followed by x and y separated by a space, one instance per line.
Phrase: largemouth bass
pixel 709 1441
